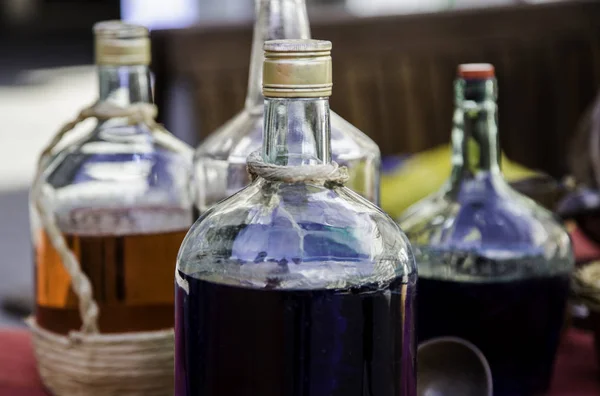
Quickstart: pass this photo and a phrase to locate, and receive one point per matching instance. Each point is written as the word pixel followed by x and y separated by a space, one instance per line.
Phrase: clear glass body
pixel 121 197
pixel 220 161
pixel 295 289
pixel 493 266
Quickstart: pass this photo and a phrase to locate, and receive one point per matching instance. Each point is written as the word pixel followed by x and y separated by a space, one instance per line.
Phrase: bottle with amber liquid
pixel 119 195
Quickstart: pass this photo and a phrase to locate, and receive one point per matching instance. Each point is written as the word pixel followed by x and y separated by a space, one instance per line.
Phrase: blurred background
pixel 394 62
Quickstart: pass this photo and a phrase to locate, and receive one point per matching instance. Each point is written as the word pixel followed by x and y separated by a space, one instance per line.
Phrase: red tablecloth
pixel 576 372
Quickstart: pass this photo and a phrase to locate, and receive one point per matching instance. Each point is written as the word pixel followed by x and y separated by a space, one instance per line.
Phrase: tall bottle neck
pixel 475 143
pixel 124 85
pixel 297 131
pixel 275 19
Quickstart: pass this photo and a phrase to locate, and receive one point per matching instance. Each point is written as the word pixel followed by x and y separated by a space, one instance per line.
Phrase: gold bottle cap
pixel 297 69
pixel 122 44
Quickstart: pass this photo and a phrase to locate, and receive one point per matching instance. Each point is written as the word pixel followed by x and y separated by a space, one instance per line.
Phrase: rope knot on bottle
pixel 330 174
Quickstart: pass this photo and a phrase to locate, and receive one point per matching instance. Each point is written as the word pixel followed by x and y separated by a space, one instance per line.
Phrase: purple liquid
pixel 516 325
pixel 233 341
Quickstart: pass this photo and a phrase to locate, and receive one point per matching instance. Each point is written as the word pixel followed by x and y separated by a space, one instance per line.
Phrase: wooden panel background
pixel 393 76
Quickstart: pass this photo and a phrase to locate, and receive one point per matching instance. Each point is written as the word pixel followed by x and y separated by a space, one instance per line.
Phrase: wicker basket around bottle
pixel 132 364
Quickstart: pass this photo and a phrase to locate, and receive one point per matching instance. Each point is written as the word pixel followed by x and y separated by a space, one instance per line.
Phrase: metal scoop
pixel 450 366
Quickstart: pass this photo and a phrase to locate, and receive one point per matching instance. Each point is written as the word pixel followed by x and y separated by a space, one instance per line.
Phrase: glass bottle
pixel 119 194
pixel 299 288
pixel 493 266
pixel 220 161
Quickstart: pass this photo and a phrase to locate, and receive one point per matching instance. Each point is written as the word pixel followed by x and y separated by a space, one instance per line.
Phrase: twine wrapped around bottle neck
pixel 136 113
pixel 329 174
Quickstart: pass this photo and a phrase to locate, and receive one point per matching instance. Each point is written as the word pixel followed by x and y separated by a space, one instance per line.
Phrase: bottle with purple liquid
pixel 494 266
pixel 295 286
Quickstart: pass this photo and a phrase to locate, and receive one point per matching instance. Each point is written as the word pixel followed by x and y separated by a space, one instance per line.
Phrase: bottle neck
pixel 297 132
pixel 275 19
pixel 124 85
pixel 475 146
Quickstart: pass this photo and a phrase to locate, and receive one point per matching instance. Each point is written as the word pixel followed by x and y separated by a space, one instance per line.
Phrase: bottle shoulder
pixel 243 134
pixel 120 170
pixel 302 234
pixel 350 140
pixel 122 151
pixel 493 221
pixel 239 136
pixel 118 137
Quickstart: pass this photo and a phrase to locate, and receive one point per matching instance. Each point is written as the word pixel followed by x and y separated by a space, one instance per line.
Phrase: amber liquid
pixel 131 276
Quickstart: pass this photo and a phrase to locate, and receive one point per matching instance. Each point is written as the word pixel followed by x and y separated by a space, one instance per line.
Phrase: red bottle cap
pixel 476 71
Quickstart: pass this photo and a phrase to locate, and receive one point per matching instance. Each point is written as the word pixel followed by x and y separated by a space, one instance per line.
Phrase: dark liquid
pixel 516 325
pixel 233 341
pixel 129 275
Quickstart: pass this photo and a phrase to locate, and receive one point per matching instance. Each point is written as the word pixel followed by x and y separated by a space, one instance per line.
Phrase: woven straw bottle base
pixel 101 365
